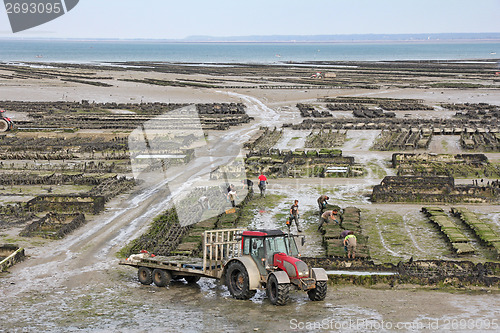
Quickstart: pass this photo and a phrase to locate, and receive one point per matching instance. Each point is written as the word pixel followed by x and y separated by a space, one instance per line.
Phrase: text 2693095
pixel 33 8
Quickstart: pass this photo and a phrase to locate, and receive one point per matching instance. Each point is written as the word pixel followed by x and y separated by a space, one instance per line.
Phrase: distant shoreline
pixel 440 37
pixel 166 41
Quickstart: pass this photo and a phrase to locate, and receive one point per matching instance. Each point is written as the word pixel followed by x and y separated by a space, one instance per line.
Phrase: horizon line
pixel 326 38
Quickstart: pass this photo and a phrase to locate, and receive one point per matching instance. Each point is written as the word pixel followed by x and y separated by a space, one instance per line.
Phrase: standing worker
pixel 262 185
pixel 350 242
pixel 249 184
pixel 328 215
pixel 294 215
pixel 322 202
pixel 232 197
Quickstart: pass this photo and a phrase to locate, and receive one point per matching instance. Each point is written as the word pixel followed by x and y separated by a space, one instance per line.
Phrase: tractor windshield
pixel 292 246
pixel 283 244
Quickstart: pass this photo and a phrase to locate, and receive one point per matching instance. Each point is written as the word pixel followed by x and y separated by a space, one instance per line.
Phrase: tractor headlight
pixel 302 268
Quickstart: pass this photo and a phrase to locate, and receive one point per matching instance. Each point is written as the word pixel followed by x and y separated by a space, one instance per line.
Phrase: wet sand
pixel 76 284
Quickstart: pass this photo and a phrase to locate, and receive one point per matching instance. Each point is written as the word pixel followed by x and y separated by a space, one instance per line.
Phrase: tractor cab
pixel 272 249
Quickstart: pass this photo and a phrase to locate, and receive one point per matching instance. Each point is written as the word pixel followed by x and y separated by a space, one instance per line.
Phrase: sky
pixel 168 19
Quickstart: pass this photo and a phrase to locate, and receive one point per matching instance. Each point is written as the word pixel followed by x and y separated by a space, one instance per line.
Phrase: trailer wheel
pixel 161 277
pixel 237 281
pixel 145 275
pixel 318 293
pixel 192 279
pixel 4 125
pixel 278 293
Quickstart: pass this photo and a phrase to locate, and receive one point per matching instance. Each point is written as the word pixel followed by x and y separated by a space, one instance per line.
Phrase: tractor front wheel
pixel 237 281
pixel 278 293
pixel 318 293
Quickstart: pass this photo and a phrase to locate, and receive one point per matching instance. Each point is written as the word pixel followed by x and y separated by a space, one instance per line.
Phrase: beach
pixel 74 283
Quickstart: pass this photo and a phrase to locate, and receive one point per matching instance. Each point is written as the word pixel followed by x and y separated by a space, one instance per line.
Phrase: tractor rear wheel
pixel 318 293
pixel 238 282
pixel 278 293
pixel 4 125
pixel 192 279
pixel 145 275
pixel 161 277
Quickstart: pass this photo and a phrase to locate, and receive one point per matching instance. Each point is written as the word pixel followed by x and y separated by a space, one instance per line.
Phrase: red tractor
pixel 268 260
pixel 5 123
pixel 244 260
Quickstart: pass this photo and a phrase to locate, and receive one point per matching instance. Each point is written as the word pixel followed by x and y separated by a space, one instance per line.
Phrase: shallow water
pixel 358 273
pixel 118 51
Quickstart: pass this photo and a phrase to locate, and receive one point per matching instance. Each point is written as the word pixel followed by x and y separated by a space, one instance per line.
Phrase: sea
pixel 78 51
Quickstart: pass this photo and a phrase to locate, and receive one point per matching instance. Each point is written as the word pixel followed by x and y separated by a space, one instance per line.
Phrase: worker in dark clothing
pixel 294 215
pixel 344 233
pixel 327 216
pixel 322 202
pixel 249 184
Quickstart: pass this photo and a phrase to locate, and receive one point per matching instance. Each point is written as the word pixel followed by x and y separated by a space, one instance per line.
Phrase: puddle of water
pixel 359 273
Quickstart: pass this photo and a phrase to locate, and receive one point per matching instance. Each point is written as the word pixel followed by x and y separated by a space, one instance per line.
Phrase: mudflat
pixel 75 282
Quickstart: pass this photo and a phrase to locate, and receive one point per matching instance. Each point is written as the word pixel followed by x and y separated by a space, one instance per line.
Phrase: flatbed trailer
pixel 181 266
pixel 219 246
